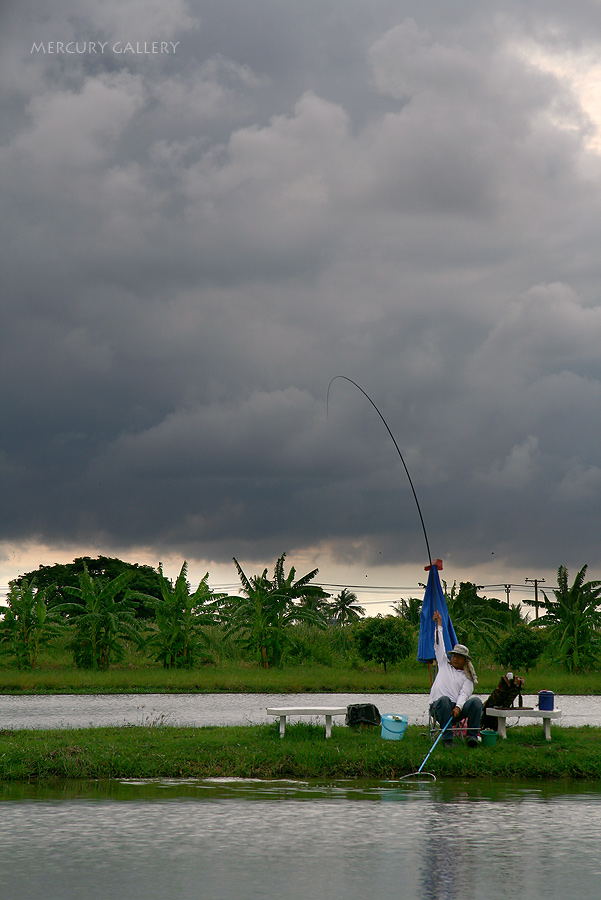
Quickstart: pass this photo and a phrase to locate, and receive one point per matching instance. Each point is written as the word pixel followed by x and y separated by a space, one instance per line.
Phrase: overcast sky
pixel 211 208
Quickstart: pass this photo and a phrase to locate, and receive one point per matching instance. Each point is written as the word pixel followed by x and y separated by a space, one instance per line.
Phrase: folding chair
pixel 459 730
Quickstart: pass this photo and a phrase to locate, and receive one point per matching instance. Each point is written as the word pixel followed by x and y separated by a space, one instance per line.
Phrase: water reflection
pixel 446 791
pixel 440 869
pixel 241 840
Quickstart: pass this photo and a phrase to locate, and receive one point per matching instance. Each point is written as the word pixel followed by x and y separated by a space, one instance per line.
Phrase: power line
pixel 516 587
pixel 378 587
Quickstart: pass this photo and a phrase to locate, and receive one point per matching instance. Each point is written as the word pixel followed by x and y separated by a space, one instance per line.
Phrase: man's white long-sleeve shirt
pixel 449 682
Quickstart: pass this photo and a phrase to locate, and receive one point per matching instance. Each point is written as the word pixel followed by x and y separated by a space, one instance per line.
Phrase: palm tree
pixel 573 619
pixel 345 609
pixel 410 610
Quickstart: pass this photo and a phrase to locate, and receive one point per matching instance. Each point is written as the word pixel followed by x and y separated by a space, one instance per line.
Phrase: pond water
pixel 240 840
pixel 80 711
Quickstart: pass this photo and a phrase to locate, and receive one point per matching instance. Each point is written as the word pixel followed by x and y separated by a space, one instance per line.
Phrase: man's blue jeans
pixel 442 710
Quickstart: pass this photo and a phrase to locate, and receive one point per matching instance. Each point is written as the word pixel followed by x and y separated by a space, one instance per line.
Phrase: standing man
pixel 451 693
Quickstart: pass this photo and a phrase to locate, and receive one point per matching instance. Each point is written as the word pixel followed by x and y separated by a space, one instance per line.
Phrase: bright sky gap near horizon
pixel 211 208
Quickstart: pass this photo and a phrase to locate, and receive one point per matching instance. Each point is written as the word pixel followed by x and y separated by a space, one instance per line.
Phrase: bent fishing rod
pixel 365 394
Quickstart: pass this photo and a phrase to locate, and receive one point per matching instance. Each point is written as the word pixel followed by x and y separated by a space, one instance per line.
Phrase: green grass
pixel 235 677
pixel 228 677
pixel 257 751
pixel 57 674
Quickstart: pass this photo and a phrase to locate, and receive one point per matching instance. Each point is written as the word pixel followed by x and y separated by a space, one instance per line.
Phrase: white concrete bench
pixel 328 711
pixel 503 714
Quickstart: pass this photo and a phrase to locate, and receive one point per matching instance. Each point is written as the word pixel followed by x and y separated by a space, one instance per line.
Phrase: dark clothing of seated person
pixel 451 693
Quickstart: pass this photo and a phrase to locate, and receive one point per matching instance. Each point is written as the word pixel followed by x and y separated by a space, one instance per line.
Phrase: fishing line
pixel 365 394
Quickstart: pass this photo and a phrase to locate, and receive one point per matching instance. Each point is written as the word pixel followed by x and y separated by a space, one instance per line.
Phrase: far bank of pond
pixel 408 678
pixel 257 751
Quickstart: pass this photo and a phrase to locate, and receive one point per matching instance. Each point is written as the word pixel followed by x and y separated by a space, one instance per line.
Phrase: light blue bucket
pixel 393 727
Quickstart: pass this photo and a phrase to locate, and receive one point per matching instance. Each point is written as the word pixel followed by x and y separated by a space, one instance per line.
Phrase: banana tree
pixel 573 620
pixel 27 625
pixel 179 633
pixel 263 614
pixel 478 620
pixel 100 622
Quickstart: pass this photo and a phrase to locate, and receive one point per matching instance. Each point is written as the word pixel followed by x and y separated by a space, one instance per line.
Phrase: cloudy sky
pixel 211 208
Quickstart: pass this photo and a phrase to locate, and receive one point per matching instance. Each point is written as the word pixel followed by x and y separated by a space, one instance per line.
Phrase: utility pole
pixel 507 589
pixel 535 582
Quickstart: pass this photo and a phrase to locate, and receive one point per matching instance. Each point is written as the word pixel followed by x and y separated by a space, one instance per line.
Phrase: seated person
pixel 451 693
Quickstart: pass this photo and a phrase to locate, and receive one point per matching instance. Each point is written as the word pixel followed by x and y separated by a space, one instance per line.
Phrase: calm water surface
pixel 237 840
pixel 79 711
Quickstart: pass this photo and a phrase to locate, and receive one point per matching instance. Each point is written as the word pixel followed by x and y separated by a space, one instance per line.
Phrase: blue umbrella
pixel 434 600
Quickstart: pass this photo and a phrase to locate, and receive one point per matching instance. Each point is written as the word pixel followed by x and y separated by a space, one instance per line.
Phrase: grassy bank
pixel 244 677
pixel 258 752
pixel 230 678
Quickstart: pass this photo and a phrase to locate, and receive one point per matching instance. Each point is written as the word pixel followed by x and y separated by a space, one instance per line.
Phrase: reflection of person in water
pixel 451 693
pixel 440 863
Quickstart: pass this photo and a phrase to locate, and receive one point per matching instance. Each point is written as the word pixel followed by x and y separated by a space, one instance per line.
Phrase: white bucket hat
pixel 461 650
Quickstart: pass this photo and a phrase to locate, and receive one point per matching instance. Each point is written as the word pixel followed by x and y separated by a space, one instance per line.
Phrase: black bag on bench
pixel 362 714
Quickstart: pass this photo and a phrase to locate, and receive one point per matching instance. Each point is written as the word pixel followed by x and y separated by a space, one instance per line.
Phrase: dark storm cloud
pixel 194 243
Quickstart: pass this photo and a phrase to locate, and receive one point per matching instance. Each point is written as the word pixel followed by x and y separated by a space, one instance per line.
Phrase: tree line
pixel 100 606
pixel 568 632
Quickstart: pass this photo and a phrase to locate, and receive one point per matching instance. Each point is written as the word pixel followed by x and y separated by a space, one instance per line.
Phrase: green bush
pixel 521 648
pixel 385 639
